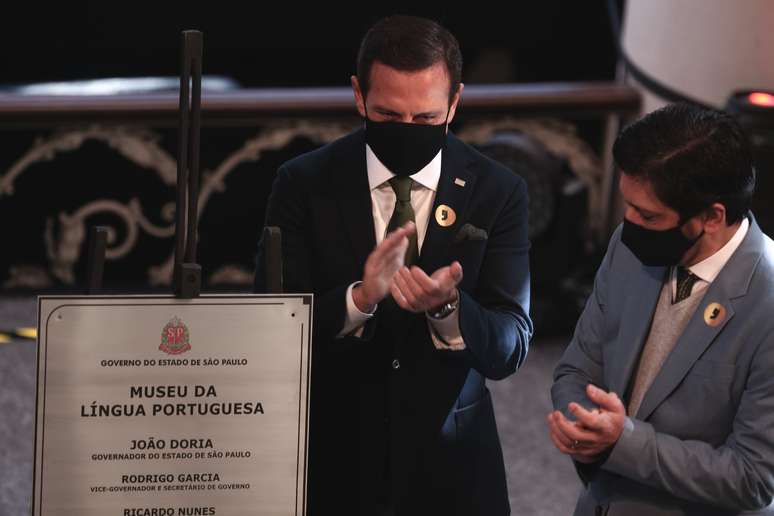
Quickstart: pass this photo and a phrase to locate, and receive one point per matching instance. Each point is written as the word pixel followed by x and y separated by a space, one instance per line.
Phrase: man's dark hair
pixel 409 44
pixel 693 157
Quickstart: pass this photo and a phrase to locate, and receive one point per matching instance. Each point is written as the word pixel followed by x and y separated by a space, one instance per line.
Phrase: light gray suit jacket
pixel 702 442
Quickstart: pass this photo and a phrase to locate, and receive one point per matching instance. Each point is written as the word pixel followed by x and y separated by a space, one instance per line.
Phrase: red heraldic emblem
pixel 174 337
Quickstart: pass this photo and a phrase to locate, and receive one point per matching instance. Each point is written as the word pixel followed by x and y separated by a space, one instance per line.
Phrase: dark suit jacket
pixel 702 441
pixel 420 437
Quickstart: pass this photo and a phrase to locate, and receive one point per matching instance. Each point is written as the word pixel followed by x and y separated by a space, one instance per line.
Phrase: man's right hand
pixel 380 267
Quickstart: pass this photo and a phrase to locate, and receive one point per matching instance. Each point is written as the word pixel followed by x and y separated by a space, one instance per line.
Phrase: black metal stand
pixel 96 264
pixel 187 274
pixel 187 279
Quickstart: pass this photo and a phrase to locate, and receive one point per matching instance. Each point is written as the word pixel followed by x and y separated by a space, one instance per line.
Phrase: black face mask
pixel 403 148
pixel 657 247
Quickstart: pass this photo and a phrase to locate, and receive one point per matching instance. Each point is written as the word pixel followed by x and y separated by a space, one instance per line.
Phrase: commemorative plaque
pixel 159 406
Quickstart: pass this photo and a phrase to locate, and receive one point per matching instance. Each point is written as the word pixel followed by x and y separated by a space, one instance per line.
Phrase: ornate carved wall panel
pixel 62 173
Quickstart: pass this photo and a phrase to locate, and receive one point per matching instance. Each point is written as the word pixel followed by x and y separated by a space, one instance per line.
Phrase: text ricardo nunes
pixel 169 511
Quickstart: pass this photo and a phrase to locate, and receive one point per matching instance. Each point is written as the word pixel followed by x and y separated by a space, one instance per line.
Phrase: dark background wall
pixel 287 44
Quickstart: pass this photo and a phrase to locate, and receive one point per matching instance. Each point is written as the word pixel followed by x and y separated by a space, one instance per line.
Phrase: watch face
pixel 444 311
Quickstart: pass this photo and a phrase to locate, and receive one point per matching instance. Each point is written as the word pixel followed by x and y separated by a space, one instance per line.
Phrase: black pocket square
pixel 469 232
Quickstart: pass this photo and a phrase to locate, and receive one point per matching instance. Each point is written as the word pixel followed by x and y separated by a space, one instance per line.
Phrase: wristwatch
pixel 445 310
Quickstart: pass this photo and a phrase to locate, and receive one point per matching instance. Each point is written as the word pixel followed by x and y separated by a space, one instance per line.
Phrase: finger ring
pixel 575 443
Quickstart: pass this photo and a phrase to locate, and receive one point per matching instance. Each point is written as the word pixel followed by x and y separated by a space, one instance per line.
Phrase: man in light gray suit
pixel 664 397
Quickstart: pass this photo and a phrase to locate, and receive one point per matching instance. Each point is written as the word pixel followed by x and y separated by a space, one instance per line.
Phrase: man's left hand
pixel 594 431
pixel 415 291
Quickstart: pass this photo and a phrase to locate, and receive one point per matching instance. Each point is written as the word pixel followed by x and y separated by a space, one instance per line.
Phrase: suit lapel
pixel 732 282
pixel 637 314
pixel 689 347
pixel 455 171
pixel 350 177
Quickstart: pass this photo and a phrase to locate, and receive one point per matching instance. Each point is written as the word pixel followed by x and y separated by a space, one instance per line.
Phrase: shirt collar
pixel 378 174
pixel 709 268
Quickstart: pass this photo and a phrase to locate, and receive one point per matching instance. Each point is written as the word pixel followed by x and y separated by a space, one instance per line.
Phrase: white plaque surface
pixel 158 406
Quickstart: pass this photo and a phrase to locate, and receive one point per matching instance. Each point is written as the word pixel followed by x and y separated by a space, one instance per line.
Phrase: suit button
pixel 396 364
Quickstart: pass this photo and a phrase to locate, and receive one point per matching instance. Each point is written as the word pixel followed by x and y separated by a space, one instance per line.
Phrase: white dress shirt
pixel 444 332
pixel 709 268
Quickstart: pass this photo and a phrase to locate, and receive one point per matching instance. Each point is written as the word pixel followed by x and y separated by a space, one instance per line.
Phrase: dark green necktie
pixel 685 282
pixel 404 213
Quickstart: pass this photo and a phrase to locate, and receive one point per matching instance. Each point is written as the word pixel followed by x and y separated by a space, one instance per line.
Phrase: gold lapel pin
pixel 445 216
pixel 459 182
pixel 714 314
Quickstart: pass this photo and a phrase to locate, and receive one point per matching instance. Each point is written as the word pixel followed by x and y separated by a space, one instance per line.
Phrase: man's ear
pixel 359 98
pixel 455 102
pixel 715 218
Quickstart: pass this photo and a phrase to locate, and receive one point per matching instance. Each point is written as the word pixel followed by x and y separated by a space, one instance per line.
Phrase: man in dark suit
pixel 665 395
pixel 415 246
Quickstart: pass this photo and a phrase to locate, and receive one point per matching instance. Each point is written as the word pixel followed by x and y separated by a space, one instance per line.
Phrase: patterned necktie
pixel 404 213
pixel 685 281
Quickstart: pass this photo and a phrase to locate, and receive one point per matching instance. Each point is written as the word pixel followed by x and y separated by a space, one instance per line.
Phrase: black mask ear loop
pixel 365 108
pixel 683 221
